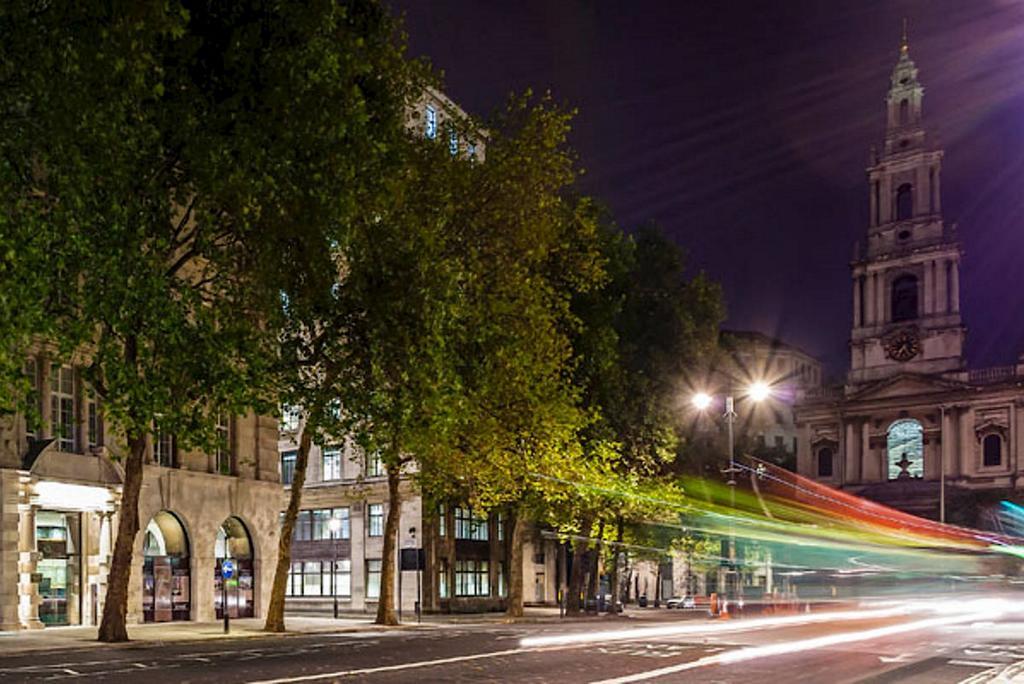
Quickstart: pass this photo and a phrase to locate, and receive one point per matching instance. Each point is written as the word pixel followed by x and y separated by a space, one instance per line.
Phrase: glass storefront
pixel 233 542
pixel 59 568
pixel 166 580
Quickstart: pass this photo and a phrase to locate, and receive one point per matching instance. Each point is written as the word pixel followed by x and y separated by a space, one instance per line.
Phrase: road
pixel 870 644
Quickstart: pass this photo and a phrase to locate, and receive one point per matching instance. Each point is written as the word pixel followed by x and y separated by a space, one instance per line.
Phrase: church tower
pixel 906 281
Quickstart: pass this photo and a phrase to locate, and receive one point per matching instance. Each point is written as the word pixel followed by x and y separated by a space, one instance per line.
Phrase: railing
pixel 982 376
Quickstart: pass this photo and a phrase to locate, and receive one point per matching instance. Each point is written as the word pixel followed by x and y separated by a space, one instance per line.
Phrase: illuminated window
pixel 373 579
pixel 500 522
pixel 472 578
pixel 905 448
pixel 374 464
pixel 470 526
pixel 375 520
pixel 290 417
pixel 331 460
pixel 992 451
pixel 442 579
pixel 453 142
pixel 431 122
pixel 442 521
pixel 62 407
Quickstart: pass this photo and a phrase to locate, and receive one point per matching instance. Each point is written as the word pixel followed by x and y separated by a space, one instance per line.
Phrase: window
pixel 290 417
pixel 375 524
pixel 303 526
pixel 62 407
pixel 312 581
pixel 374 464
pixel 470 526
pixel 163 449
pixel 442 579
pixel 905 449
pixel 453 142
pixel 331 463
pixel 314 578
pixel 345 530
pixel 471 150
pixel 904 298
pixel 904 202
pixel 825 462
pixel 442 521
pixel 92 421
pixel 904 112
pixel 501 578
pixel 431 122
pixel 500 524
pixel 343 577
pixel 471 578
pixel 288 466
pixel 992 451
pixel 222 453
pixel 779 441
pixel 31 371
pixel 373 579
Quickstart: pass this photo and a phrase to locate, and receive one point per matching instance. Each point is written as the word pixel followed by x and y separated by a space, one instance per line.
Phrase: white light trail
pixel 704 628
pixel 801 645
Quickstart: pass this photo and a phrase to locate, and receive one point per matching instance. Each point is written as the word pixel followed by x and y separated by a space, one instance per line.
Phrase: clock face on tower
pixel 903 345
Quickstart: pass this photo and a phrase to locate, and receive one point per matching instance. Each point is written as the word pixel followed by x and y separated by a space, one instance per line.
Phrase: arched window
pixel 824 462
pixel 166 584
pixel 904 112
pixel 992 451
pixel 904 298
pixel 904 202
pixel 905 450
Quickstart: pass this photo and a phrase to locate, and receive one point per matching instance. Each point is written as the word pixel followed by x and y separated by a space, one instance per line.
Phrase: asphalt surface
pixel 919 647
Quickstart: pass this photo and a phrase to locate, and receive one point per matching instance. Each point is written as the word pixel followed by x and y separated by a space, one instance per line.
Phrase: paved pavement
pixel 958 643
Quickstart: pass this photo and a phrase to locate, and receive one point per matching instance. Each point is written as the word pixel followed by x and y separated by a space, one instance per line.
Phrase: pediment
pixel 905 385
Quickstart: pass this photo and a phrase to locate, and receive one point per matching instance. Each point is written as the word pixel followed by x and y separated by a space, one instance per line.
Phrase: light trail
pixel 715 628
pixel 802 645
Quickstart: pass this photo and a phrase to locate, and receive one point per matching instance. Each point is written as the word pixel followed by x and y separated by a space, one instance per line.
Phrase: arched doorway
pixel 905 450
pixel 166 576
pixel 234 542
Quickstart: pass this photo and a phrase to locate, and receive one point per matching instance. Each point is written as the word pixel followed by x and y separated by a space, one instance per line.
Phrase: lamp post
pixel 412 535
pixel 757 392
pixel 334 525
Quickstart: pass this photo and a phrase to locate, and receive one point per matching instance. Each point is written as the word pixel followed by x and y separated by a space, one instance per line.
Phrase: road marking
pixel 393 668
pixel 974 663
pixel 68 670
pixel 784 648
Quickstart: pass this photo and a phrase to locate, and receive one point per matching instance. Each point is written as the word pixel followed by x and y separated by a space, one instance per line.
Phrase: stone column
pixel 871 464
pixel 9 550
pixel 28 557
pixel 880 293
pixel 869 296
pixel 954 267
pixel 949 453
pixel 965 441
pixel 856 303
pixel 941 298
pixel 929 285
pixel 203 572
pixel 852 454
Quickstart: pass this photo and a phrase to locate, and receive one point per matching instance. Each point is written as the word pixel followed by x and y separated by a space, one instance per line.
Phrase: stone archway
pixel 905 450
pixel 166 570
pixel 234 542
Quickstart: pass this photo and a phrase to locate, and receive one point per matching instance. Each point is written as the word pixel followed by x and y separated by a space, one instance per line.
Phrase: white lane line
pixel 68 670
pixel 391 668
pixel 974 663
pixel 788 647
pixel 707 629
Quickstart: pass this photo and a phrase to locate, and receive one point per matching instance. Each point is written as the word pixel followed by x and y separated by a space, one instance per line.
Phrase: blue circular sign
pixel 227 568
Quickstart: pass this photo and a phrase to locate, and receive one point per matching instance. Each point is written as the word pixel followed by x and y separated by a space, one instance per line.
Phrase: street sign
pixel 227 568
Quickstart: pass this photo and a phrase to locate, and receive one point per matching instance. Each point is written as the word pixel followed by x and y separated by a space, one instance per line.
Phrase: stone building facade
pixel 913 426
pixel 60 488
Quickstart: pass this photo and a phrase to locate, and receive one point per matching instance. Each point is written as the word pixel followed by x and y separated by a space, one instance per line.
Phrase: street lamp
pixel 412 535
pixel 334 525
pixel 757 392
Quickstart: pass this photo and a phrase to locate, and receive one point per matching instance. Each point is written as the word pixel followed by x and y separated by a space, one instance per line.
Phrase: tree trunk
pixel 594 586
pixel 616 558
pixel 113 626
pixel 579 549
pixel 514 603
pixel 275 612
pixel 386 603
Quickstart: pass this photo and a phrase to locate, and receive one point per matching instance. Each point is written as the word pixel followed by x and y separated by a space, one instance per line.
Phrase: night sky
pixel 743 130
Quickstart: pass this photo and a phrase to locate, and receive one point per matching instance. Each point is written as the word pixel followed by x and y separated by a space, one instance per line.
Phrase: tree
pixel 160 144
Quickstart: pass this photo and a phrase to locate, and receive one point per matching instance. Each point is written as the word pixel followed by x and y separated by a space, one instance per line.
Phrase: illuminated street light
pixel 334 525
pixel 759 391
pixel 701 401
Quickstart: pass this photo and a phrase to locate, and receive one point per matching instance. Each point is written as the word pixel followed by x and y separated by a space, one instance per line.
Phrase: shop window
pixel 992 451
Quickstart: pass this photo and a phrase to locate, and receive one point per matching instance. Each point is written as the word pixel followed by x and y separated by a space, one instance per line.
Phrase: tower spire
pixel 904 41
